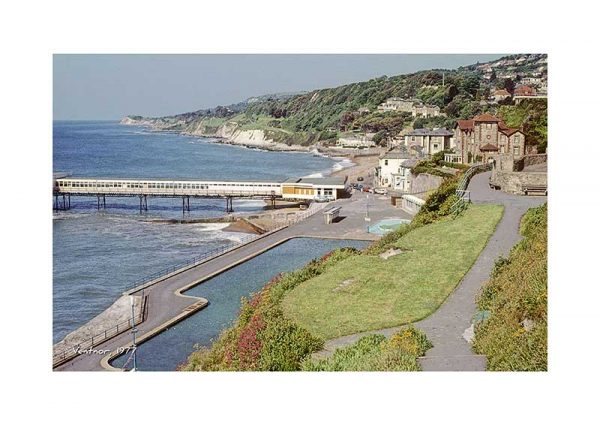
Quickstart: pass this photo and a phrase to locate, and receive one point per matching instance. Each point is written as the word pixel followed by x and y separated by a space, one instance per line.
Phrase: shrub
pixel 514 337
pixel 376 353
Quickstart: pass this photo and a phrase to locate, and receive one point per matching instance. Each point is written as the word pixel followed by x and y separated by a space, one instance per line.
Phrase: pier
pixel 293 189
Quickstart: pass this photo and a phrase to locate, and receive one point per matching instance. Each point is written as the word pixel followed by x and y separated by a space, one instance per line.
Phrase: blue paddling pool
pixel 385 226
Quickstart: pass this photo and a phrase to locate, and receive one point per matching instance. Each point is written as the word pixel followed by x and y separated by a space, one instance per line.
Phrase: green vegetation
pixel 365 292
pixel 515 337
pixel 349 291
pixel 376 353
pixel 532 115
pixel 262 338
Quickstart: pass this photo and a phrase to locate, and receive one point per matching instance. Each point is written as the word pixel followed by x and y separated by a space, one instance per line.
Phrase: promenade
pixel 167 305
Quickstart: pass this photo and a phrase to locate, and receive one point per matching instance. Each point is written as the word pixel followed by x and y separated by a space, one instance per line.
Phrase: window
pixel 386 162
pixel 516 150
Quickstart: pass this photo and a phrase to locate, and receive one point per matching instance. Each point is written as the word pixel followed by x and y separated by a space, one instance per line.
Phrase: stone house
pixel 485 136
pixel 431 141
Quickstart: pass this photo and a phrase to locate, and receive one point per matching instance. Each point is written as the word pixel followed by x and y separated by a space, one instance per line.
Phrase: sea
pixel 97 254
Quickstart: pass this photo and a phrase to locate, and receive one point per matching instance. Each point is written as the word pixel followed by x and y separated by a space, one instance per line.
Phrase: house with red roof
pixel 485 136
pixel 524 91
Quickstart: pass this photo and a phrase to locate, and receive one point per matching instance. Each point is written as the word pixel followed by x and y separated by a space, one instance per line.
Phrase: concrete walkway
pixel 166 304
pixel 445 327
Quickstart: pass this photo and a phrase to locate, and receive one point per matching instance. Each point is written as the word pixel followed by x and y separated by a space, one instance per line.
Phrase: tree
pixel 509 85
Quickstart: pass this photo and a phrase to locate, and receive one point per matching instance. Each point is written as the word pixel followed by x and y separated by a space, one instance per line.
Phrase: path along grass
pixel 366 292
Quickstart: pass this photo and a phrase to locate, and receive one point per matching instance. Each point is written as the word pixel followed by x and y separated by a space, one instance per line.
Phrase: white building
pixel 356 142
pixel 389 165
pixel 402 179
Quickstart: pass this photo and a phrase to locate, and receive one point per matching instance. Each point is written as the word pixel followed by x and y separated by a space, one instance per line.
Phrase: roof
pixel 488 147
pixel 396 154
pixel 428 132
pixel 486 118
pixel 409 163
pixel 321 181
pixel 501 92
pixel 510 131
pixel 465 124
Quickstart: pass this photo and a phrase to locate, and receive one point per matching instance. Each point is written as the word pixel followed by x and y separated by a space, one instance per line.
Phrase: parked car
pixel 381 191
pixel 359 187
pixel 321 198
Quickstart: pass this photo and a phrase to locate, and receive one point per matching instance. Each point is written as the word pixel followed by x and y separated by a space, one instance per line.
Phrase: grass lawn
pixel 365 292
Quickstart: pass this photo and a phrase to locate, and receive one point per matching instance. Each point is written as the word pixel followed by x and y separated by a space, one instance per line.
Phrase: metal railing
pixel 464 196
pixel 67 354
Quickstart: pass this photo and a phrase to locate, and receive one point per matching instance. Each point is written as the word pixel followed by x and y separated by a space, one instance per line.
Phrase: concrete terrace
pixel 167 305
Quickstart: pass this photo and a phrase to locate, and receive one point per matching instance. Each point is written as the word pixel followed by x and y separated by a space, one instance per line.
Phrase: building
pixel 389 165
pixel 356 142
pixel 401 180
pixel 431 141
pixel 426 111
pixel 397 104
pixel 524 91
pixel 309 188
pixel 485 136
pixel 500 95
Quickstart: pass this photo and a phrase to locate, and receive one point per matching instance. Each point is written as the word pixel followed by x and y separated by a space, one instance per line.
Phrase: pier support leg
pixel 229 204
pixel 143 203
pixel 185 204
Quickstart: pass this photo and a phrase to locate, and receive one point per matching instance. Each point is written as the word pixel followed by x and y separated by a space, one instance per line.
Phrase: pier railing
pixel 67 354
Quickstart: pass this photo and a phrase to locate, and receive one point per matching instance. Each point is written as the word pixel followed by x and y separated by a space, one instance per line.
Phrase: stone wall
pixel 513 181
pixel 508 177
pixel 528 160
pixel 425 182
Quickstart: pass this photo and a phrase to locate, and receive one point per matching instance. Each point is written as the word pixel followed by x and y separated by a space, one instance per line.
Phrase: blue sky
pixel 107 87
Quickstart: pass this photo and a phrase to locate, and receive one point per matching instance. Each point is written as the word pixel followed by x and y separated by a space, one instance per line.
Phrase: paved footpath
pixel 445 327
pixel 166 304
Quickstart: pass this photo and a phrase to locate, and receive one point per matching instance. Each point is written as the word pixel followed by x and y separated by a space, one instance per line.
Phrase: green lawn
pixel 366 292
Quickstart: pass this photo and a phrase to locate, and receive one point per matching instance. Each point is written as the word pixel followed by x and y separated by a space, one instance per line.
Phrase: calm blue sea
pixel 99 254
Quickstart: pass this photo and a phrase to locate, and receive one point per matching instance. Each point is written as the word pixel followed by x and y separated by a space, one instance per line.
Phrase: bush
pixel 376 353
pixel 514 337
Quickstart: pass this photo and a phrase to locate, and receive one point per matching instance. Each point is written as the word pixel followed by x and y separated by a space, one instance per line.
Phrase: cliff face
pixel 229 132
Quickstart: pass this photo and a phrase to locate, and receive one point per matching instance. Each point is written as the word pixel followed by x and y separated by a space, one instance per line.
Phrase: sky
pixel 109 87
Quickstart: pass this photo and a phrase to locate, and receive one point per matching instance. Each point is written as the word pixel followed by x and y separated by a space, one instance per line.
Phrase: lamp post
pixel 133 331
pixel 367 218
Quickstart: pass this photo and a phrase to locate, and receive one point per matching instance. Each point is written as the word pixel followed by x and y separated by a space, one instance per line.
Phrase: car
pixel 359 187
pixel 381 191
pixel 321 198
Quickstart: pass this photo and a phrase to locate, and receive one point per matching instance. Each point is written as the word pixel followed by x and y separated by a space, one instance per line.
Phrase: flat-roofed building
pixel 312 187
